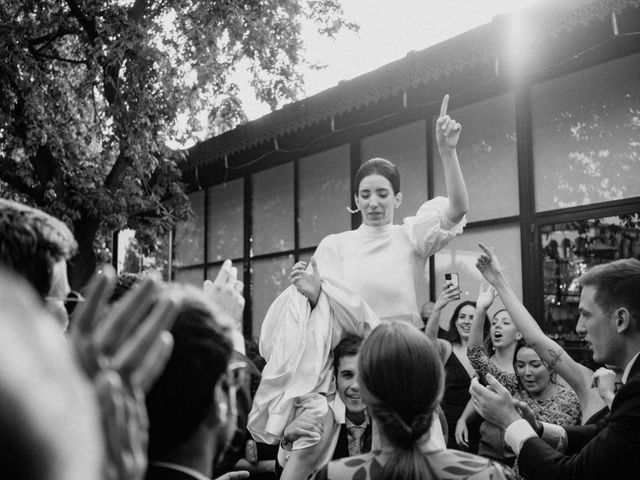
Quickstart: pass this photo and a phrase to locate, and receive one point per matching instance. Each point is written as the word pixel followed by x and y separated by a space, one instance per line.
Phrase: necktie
pixel 355 440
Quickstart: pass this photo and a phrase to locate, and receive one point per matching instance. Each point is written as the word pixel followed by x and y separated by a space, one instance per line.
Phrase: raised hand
pixel 307 283
pixel 449 293
pixel 486 296
pixel 488 264
pixel 447 129
pixel 123 349
pixel 226 293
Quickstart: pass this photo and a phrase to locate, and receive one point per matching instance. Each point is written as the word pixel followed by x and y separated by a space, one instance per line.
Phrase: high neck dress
pixel 368 275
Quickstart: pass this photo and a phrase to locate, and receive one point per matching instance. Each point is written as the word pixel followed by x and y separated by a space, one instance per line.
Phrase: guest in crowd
pixel 458 369
pixel 401 380
pixel 546 352
pixel 610 321
pixel 347 422
pixel 192 413
pixel 504 337
pixel 37 246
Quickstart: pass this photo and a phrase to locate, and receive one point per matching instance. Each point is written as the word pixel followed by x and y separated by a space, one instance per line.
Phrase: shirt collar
pixel 627 370
pixel 181 468
pixel 348 423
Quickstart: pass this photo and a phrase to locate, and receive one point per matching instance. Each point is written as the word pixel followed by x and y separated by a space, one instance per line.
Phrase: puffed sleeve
pixel 430 229
pixel 328 257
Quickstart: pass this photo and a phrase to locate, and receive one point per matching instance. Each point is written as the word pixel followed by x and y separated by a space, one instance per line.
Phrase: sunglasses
pixel 71 301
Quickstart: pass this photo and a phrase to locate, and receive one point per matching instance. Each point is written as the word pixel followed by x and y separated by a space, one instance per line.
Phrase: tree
pixel 90 91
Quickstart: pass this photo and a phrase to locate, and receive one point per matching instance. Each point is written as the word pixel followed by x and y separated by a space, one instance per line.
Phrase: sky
pixel 389 29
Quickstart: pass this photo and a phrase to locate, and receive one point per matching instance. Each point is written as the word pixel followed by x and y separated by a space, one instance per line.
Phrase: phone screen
pixel 452 279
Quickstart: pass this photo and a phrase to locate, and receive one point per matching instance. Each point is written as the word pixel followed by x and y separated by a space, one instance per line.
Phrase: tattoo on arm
pixel 555 358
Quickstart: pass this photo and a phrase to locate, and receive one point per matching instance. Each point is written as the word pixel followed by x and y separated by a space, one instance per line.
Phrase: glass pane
pixel 570 249
pixel 139 252
pixel 273 210
pixel 324 194
pixel 189 239
pixel 226 220
pixel 192 276
pixel 405 146
pixel 269 278
pixel 461 254
pixel 488 158
pixel 586 131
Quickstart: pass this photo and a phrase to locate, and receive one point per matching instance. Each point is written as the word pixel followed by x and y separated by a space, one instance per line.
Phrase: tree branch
pixel 87 24
pixel 37 53
pixel 19 185
pixel 49 38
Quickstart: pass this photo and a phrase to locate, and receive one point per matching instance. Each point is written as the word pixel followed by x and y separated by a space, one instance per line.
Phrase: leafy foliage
pixel 91 90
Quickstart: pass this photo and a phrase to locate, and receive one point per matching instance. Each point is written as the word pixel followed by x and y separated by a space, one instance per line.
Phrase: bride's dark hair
pixel 402 381
pixel 378 166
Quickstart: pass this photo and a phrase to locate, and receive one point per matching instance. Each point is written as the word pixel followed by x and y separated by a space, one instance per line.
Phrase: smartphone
pixel 452 279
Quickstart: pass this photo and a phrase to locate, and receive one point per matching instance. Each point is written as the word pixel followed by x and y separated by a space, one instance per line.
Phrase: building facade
pixel 549 100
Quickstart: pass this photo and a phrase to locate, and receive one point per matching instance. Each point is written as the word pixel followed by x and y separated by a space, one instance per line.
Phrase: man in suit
pixel 350 424
pixel 610 320
pixel 192 412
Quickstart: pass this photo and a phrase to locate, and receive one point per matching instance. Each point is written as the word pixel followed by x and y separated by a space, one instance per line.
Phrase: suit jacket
pixel 342 447
pixel 607 449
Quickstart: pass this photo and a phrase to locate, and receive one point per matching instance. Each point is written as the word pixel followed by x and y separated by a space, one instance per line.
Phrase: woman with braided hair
pixel 401 382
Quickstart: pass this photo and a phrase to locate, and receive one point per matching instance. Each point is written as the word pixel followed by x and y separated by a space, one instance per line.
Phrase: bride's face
pixel 376 200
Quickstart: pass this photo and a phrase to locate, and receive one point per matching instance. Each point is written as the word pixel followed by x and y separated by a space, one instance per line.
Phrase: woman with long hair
pixel 453 353
pixel 401 382
pixel 504 338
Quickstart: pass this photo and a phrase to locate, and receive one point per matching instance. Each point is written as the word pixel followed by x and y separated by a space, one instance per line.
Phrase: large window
pixel 273 210
pixel 488 158
pixel 570 249
pixel 460 257
pixel 225 226
pixel 405 146
pixel 189 239
pixel 586 136
pixel 324 194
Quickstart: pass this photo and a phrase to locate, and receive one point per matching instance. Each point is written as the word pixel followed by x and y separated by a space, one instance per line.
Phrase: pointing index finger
pixel 444 106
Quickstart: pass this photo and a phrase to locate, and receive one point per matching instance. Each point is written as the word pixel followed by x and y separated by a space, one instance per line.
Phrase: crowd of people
pixel 135 378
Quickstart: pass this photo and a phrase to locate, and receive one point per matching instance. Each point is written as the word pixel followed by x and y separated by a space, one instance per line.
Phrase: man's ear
pixel 623 319
pixel 397 200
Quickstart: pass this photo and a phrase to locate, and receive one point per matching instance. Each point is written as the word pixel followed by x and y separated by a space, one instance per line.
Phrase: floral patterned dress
pixel 444 464
pixel 562 409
